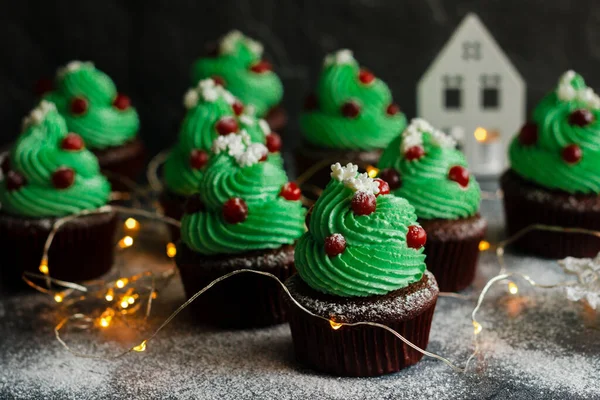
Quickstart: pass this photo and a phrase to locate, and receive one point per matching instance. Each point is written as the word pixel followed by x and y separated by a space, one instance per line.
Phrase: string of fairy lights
pixel 124 296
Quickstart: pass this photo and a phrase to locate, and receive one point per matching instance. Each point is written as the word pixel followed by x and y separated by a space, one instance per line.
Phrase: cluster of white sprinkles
pixel 566 92
pixel 240 148
pixel 350 177
pixel 208 91
pixel 38 114
pixel 229 41
pixel 340 57
pixel 72 67
pixel 413 135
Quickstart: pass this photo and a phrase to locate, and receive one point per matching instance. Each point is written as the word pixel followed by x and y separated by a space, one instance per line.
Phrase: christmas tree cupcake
pixel 237 64
pixel 554 175
pixel 246 215
pixel 50 174
pixel 90 104
pixel 212 112
pixel 350 117
pixel 361 261
pixel 424 167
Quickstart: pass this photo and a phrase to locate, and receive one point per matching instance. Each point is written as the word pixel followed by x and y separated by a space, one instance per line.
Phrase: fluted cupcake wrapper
pixel 82 249
pixel 127 160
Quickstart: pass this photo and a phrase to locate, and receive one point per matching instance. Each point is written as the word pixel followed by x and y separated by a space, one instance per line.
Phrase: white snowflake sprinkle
pixel 413 136
pixel 190 99
pixel 38 114
pixel 342 173
pixel 247 120
pixel 72 67
pixel 340 57
pixel 228 42
pixel 566 92
pixel 264 126
pixel 239 147
pixel 362 183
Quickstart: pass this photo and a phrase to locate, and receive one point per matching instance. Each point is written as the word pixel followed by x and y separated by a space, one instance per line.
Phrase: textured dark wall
pixel 147 46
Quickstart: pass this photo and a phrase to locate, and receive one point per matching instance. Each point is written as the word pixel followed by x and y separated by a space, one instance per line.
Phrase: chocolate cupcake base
pixel 526 204
pixel 127 160
pixel 277 118
pixel 82 249
pixel 243 301
pixel 173 206
pixel 361 350
pixel 452 250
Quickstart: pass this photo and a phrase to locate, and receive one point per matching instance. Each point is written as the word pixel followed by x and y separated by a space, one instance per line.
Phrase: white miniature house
pixel 473 92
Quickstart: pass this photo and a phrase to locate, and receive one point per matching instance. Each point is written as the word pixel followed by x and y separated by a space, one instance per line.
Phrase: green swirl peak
pixel 50 173
pixel 243 202
pixel 212 111
pixel 360 242
pixel 91 106
pixel 560 148
pixel 239 66
pixel 351 109
pixel 431 172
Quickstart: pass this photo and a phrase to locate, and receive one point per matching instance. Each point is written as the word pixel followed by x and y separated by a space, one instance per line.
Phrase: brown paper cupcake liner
pixel 82 249
pixel 242 301
pixel 127 160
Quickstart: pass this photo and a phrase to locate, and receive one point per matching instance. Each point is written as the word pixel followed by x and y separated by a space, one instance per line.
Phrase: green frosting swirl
pixel 542 162
pixel 237 54
pixel 102 125
pixel 371 129
pixel 198 132
pixel 272 221
pixel 36 155
pixel 425 182
pixel 377 259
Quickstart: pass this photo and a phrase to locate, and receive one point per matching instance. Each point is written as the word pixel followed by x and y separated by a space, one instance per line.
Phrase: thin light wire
pixel 152 171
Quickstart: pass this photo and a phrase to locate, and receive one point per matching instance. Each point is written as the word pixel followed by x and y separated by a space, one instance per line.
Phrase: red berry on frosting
pixel 43 86
pixel 273 142
pixel 261 67
pixel 235 210
pixel 311 102
pixel 414 153
pixel 366 76
pixel 198 158
pixel 459 174
pixel 392 177
pixel 79 105
pixel 290 191
pixel 572 154
pixel 581 117
pixel 392 109
pixel 335 244
pixel 5 166
pixel 238 107
pixel 350 109
pixel 264 158
pixel 14 181
pixel 72 142
pixel 122 102
pixel 63 178
pixel 226 125
pixel 363 203
pixel 528 135
pixel 384 187
pixel 194 204
pixel 218 80
pixel 416 237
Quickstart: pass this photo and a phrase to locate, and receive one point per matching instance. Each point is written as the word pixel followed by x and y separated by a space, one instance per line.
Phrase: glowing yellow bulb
pixel 477 327
pixel 130 300
pixel 131 224
pixel 127 241
pixel 171 250
pixel 104 322
pixel 124 304
pixel 140 347
pixel 154 295
pixel 513 288
pixel 58 298
pixel 484 245
pixel 335 325
pixel 121 283
pixel 480 134
pixel 110 295
pixel 372 171
pixel 44 267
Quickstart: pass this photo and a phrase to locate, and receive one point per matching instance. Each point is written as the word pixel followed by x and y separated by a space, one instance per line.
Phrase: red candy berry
pixel 311 102
pixel 290 191
pixel 14 181
pixel 79 105
pixel 238 107
pixel 273 142
pixel 43 86
pixel 416 237
pixel 261 67
pixel 366 76
pixel 335 244
pixel 63 178
pixel 198 159
pixel 226 125
pixel 459 174
pixel 5 166
pixel 263 158
pixel 392 177
pixel 392 109
pixel 218 80
pixel 122 102
pixel 572 154
pixel 384 187
pixel 194 205
pixel 414 153
pixel 72 142
pixel 350 109
pixel 528 135
pixel 363 203
pixel 581 117
pixel 235 210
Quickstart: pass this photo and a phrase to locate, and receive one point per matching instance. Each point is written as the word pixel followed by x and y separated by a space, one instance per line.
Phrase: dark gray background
pixel 147 46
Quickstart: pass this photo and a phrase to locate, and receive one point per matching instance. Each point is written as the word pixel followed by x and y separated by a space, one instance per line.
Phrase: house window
pixel 453 96
pixel 490 92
